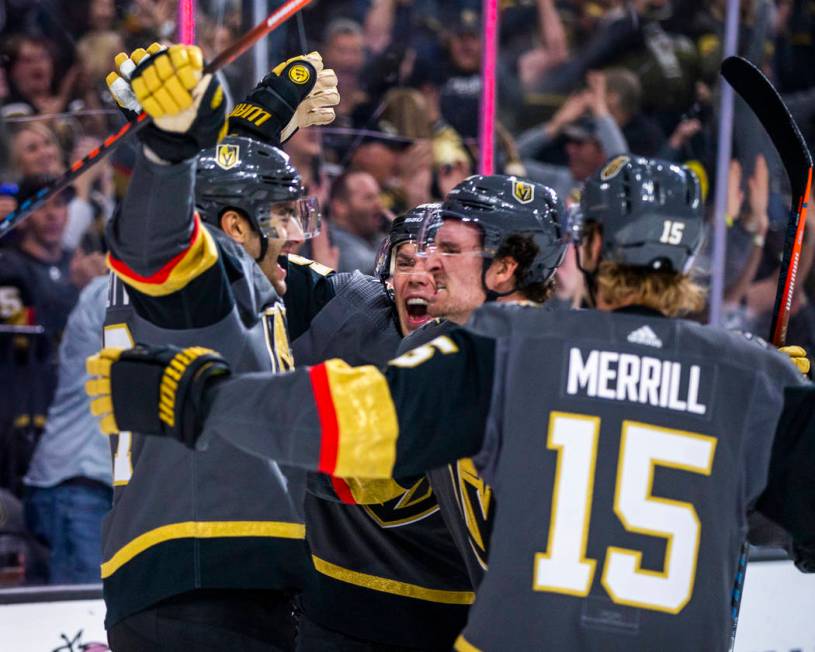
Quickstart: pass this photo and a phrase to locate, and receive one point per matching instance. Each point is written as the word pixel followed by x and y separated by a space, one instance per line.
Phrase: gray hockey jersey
pixel 184 520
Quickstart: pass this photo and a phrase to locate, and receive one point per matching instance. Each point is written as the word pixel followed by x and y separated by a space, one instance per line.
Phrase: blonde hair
pixel 406 110
pixel 671 293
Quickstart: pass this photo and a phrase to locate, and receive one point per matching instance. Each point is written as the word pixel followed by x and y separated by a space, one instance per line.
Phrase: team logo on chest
pixel 523 192
pixel 227 156
pixel 415 504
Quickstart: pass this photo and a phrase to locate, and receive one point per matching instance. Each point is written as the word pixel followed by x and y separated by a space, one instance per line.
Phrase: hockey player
pixel 628 465
pixel 202 550
pixel 483 219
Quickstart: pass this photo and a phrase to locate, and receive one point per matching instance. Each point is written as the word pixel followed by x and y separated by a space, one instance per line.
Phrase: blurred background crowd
pixel 580 81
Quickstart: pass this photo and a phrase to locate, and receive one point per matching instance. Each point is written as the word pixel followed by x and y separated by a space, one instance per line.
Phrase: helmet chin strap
pixel 264 246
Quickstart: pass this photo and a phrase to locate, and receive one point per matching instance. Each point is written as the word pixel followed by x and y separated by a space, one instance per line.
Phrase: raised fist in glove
pixel 298 93
pixel 157 390
pixel 187 106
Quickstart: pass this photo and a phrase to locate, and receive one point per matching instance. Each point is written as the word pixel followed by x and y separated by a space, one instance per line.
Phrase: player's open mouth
pixel 280 272
pixel 416 311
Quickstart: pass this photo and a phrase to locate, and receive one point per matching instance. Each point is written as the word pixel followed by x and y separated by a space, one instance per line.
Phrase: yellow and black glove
pixel 155 390
pixel 799 358
pixel 298 93
pixel 187 106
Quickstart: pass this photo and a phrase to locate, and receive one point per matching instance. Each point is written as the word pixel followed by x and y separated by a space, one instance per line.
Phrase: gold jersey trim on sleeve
pixel 370 492
pixel 394 587
pixel 319 268
pixel 366 421
pixel 178 272
pixel 200 530
pixel 463 645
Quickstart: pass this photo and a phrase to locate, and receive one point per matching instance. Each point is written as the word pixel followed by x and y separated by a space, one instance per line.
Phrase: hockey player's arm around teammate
pixel 333 418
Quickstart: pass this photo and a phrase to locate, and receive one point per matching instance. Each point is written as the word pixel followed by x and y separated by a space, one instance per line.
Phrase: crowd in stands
pixel 579 81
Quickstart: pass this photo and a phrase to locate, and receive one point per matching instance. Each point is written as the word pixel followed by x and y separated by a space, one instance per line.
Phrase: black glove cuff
pixel 192 411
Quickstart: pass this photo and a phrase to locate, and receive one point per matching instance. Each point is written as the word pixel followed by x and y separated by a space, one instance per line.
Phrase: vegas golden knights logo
pixel 474 498
pixel 613 167
pixel 523 192
pixel 415 504
pixel 277 340
pixel 227 156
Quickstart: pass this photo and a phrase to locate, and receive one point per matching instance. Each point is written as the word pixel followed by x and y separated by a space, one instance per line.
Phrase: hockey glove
pixel 156 390
pixel 187 106
pixel 799 358
pixel 297 93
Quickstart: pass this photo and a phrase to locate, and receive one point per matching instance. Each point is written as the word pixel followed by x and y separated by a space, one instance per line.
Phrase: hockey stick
pixel 762 98
pixel 275 19
pixel 759 94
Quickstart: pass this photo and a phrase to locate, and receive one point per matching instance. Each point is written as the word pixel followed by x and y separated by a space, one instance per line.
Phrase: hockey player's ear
pixel 501 274
pixel 236 226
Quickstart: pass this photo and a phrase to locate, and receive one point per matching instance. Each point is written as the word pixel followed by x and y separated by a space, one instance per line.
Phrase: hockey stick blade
pixel 79 167
pixel 762 98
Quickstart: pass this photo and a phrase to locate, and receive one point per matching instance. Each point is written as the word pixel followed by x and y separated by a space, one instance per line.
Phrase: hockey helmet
pixel 651 212
pixel 404 228
pixel 259 181
pixel 501 206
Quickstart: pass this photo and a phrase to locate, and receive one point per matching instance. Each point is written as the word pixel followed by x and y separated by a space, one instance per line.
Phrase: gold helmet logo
pixel 299 74
pixel 523 192
pixel 613 167
pixel 227 156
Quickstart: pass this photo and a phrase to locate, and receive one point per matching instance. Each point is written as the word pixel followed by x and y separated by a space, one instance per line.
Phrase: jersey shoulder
pixel 425 333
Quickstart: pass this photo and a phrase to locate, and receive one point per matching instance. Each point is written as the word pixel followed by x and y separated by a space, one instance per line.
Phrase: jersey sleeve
pixel 358 491
pixel 308 291
pixel 428 408
pixel 162 251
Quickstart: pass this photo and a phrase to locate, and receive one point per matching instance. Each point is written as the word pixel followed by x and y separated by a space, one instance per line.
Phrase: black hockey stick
pixel 760 95
pixel 30 204
pixel 762 98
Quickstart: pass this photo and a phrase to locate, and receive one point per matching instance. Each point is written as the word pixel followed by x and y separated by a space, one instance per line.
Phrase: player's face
pixel 455 263
pixel 412 288
pixel 285 235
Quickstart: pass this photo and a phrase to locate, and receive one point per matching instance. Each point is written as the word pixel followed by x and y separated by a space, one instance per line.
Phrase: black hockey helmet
pixel 650 210
pixel 500 206
pixel 253 178
pixel 404 228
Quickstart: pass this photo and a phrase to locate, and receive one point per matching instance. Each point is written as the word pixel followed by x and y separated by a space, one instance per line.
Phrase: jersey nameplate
pixel 638 379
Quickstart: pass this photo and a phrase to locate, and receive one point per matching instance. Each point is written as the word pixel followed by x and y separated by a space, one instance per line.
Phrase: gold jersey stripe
pixel 366 421
pixel 200 530
pixel 393 587
pixel 178 272
pixel 463 645
pixel 372 492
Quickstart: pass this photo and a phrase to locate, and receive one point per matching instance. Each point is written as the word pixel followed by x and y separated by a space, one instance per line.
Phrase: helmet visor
pixel 446 233
pixel 294 220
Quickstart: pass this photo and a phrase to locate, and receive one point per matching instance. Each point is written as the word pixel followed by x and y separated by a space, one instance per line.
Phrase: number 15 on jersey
pixel 564 567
